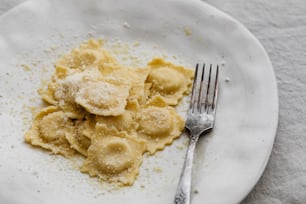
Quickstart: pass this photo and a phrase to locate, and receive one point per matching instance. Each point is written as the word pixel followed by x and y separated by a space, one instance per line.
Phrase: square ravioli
pixel 114 156
pixel 159 124
pixel 49 130
pixel 168 80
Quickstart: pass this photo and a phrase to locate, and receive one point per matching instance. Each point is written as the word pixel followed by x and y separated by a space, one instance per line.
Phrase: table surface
pixel 281 28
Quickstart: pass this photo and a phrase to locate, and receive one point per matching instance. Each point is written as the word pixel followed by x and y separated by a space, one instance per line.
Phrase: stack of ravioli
pixel 109 113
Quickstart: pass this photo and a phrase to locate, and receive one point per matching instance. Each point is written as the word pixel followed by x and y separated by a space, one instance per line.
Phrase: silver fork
pixel 200 119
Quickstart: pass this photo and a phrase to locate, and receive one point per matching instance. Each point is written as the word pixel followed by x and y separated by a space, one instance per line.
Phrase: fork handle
pixel 182 195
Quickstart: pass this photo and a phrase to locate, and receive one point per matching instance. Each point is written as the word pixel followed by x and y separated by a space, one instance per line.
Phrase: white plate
pixel 229 161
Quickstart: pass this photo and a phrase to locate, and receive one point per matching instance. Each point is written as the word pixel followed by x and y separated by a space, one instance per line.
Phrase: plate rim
pixel 276 121
pixel 243 28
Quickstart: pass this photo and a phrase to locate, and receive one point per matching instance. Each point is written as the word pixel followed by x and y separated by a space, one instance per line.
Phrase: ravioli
pixel 81 66
pixel 84 132
pixel 62 92
pixel 114 156
pixel 109 113
pixel 49 130
pixel 88 54
pixel 159 125
pixel 168 80
pixel 103 98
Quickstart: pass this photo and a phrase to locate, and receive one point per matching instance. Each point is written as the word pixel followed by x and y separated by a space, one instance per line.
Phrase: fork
pixel 200 119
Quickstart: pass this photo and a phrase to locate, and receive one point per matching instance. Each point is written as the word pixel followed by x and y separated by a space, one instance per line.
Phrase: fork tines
pixel 204 89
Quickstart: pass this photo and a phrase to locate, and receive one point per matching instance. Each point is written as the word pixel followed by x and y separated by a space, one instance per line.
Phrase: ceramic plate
pixel 229 160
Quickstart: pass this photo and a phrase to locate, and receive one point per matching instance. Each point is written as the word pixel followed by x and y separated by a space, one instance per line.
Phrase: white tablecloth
pixel 281 27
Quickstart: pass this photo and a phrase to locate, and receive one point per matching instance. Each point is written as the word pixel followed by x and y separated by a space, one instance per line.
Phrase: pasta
pixel 81 140
pixel 159 124
pixel 168 80
pixel 114 156
pixel 109 113
pixel 103 98
pixel 49 130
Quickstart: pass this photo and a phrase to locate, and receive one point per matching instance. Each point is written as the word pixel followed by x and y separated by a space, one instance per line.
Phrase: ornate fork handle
pixel 182 195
